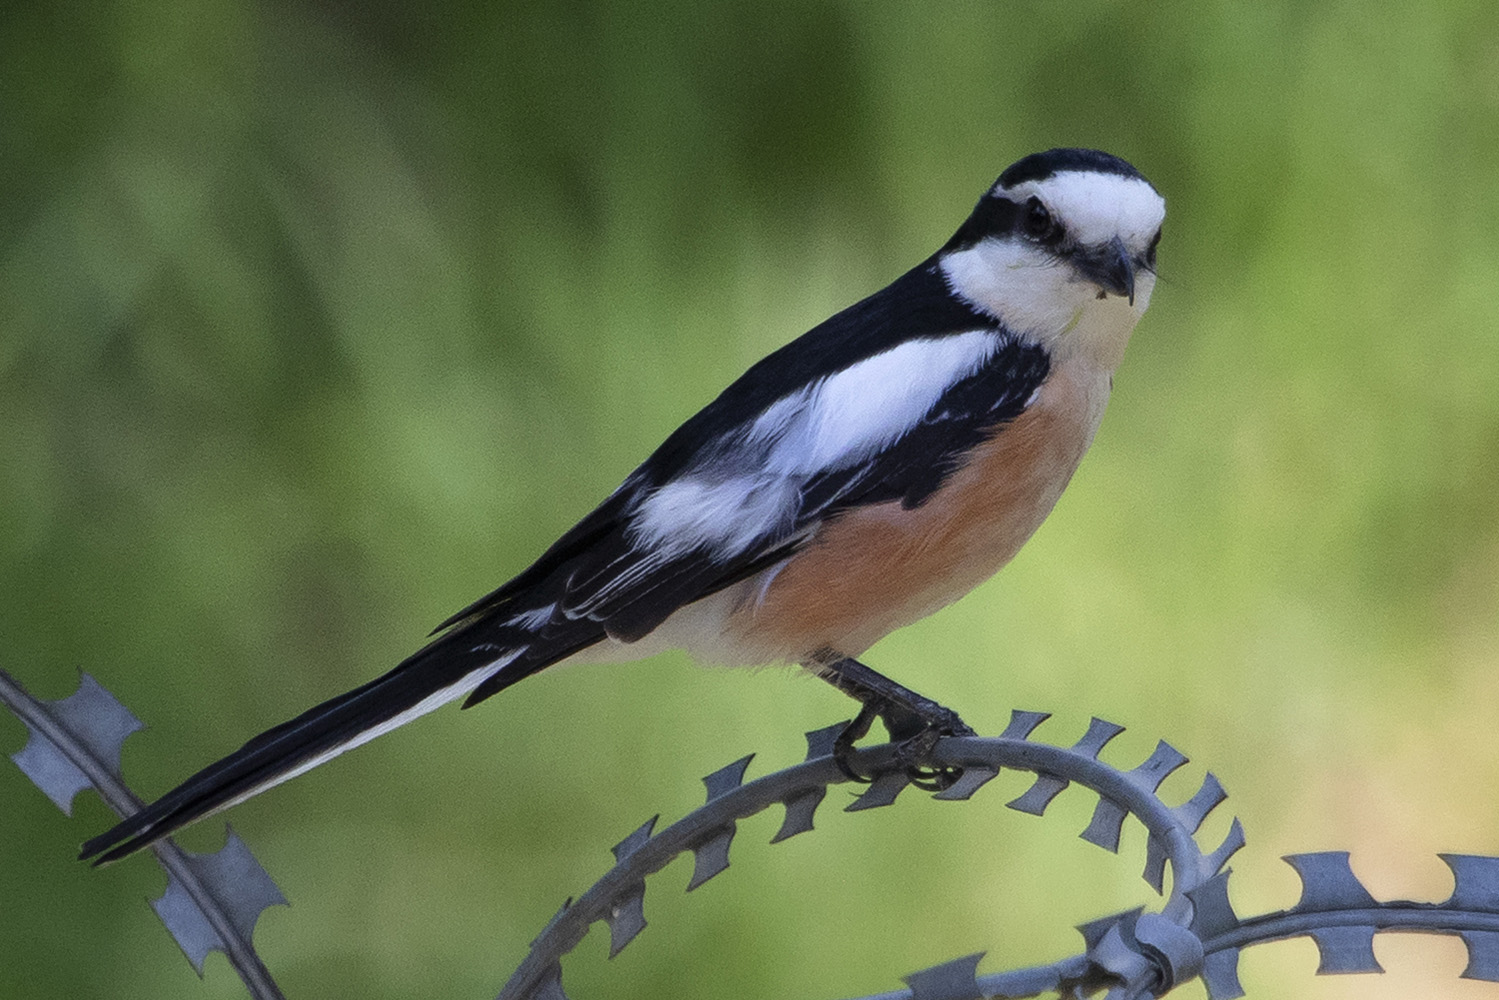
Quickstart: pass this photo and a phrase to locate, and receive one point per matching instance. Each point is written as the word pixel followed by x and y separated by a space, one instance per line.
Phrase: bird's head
pixel 1062 249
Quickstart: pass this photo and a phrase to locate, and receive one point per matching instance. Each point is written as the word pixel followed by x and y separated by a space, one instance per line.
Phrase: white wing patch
pixel 865 408
pixel 710 510
pixel 748 487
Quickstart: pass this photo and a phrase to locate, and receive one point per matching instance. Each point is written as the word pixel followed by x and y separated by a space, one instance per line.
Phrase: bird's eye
pixel 1038 222
pixel 1155 241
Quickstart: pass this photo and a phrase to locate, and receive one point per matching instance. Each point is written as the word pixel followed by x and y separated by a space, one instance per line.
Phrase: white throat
pixel 1044 301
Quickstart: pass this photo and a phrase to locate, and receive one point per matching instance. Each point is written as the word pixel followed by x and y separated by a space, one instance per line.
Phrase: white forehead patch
pixel 1095 207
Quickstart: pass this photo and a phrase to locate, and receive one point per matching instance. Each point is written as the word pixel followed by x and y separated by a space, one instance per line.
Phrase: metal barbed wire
pixel 213 901
pixel 1136 954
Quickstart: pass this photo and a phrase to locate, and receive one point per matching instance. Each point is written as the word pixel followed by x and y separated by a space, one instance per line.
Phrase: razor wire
pixel 1136 954
pixel 213 901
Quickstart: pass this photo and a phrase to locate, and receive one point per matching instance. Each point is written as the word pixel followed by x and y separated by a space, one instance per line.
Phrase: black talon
pixel 853 733
pixel 931 779
pixel 934 780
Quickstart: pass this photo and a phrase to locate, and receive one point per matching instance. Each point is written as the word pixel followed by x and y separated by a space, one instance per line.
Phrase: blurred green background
pixel 319 320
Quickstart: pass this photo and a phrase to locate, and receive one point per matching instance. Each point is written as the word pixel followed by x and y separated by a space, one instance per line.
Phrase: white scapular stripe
pixel 833 424
pixel 865 408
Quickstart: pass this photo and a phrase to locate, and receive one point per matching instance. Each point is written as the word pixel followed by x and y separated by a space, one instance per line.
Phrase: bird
pixel 856 480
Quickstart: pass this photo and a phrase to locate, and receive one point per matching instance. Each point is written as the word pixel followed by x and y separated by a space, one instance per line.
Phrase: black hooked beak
pixel 1112 268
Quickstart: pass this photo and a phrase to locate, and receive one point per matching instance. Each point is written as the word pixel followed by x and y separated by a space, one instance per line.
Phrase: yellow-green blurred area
pixel 318 321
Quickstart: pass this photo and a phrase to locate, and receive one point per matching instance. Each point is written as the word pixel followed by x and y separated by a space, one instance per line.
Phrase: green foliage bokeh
pixel 317 320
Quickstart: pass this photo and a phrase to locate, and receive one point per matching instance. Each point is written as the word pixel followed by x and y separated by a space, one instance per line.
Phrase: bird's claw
pixel 917 748
pixel 856 730
pixel 917 735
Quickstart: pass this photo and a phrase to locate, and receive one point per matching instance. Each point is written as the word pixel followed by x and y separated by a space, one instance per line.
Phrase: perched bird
pixel 858 479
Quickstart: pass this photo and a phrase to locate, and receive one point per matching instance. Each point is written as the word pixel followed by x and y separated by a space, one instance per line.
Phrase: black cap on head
pixel 1039 166
pixel 997 214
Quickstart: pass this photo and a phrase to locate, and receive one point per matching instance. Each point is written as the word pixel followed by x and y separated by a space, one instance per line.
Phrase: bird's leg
pixel 914 722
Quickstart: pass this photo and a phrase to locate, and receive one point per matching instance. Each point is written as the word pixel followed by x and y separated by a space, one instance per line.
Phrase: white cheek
pixel 1017 284
pixel 1045 302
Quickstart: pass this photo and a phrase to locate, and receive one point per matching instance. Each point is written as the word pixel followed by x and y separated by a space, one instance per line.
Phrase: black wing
pixel 601 573
pixel 919 462
pixel 918 303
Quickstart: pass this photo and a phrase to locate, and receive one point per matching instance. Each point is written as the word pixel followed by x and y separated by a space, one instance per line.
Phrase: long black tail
pixel 454 665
